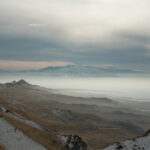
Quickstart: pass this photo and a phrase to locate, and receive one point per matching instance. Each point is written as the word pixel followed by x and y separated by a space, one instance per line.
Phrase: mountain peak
pixel 21 82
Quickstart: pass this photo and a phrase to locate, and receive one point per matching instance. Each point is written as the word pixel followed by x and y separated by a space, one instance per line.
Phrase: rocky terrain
pixel 73 142
pixel 54 121
pixel 140 143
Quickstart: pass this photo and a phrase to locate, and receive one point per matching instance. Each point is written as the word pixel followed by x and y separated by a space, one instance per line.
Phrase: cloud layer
pixel 29 65
pixel 82 32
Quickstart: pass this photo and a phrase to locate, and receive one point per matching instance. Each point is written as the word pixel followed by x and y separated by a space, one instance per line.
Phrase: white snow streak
pixel 142 143
pixel 28 122
pixel 13 139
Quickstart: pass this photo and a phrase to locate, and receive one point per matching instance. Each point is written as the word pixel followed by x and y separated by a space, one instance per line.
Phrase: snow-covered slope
pixel 28 122
pixel 13 139
pixel 76 143
pixel 141 143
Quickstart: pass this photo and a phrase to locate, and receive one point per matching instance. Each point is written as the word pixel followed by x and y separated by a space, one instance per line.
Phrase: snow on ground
pixel 63 139
pixel 28 122
pixel 64 115
pixel 3 109
pixel 142 143
pixel 13 139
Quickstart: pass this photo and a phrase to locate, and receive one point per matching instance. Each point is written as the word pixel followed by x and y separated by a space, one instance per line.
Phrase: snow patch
pixel 13 139
pixel 28 122
pixel 65 115
pixel 3 109
pixel 142 143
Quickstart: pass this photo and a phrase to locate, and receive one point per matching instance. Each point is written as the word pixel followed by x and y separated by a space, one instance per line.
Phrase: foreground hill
pixel 141 143
pixel 99 121
pixel 18 133
pixel 13 139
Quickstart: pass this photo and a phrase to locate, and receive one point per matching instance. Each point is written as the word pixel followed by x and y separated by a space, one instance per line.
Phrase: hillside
pixel 140 143
pixel 43 116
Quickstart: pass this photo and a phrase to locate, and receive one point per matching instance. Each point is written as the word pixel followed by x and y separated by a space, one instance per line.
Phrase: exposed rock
pixel 21 82
pixel 4 110
pixel 140 143
pixel 147 133
pixel 73 142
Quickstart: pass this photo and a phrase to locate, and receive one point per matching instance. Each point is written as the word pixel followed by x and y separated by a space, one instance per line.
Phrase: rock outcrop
pixel 140 143
pixel 73 142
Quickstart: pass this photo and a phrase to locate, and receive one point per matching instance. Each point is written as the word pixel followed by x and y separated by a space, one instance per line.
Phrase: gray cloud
pixel 83 32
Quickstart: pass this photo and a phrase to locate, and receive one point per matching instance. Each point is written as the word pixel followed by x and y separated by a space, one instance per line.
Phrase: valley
pixel 99 121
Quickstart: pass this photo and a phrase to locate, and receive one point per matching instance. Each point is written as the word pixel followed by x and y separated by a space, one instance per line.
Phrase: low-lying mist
pixel 120 87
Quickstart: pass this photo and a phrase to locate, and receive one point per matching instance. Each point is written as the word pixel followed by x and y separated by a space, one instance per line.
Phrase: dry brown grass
pixel 96 135
pixel 95 138
pixel 1 148
pixel 45 138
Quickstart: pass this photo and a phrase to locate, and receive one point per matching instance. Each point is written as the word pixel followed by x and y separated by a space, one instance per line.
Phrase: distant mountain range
pixel 78 70
pixel 85 69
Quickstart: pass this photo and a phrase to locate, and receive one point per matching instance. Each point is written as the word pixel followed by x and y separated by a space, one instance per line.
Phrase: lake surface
pixel 137 88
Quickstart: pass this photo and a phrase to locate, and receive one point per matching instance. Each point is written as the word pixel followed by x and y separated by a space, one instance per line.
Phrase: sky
pixel 36 34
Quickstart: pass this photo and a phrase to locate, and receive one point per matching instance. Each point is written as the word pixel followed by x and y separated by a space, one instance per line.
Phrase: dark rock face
pixel 119 146
pixel 147 133
pixel 4 110
pixel 20 82
pixel 13 83
pixel 74 142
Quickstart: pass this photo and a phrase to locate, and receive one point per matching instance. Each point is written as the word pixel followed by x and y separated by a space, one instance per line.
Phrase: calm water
pixel 133 88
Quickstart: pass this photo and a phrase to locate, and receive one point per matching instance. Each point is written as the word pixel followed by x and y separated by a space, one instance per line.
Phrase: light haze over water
pixel 137 88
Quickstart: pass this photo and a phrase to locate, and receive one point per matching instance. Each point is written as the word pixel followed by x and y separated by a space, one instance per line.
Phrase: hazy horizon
pixel 110 34
pixel 124 88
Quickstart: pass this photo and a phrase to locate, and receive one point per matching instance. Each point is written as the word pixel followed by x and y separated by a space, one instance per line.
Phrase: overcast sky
pixel 90 32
